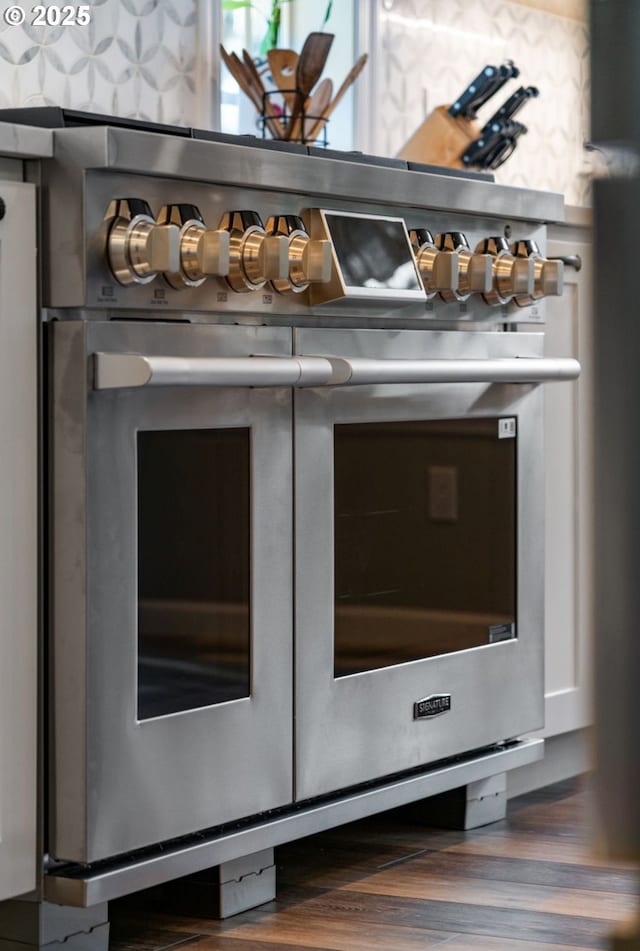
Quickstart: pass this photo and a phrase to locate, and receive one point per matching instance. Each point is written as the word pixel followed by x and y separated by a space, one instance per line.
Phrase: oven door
pixel 171 654
pixel 419 551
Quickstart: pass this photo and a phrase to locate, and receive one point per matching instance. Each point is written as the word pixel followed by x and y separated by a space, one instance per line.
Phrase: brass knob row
pixel 241 249
pixel 248 254
pixel 498 272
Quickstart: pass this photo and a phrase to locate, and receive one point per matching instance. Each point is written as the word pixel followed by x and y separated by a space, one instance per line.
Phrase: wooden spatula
pixel 283 64
pixel 311 62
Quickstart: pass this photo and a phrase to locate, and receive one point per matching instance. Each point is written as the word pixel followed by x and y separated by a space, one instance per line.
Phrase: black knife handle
pixel 494 145
pixel 514 103
pixel 463 106
pixel 505 72
pixel 485 85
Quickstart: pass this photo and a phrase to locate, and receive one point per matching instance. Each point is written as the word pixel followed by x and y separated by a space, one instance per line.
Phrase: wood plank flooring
pixel 528 883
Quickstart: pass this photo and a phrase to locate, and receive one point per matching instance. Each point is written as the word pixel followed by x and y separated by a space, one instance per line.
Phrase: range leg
pixel 31 925
pixel 219 892
pixel 245 883
pixel 470 806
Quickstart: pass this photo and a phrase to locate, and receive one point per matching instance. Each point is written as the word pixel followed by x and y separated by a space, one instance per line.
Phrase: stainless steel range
pixel 295 502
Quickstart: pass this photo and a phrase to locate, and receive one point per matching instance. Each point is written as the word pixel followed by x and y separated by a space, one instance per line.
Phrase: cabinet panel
pixel 18 539
pixel 569 498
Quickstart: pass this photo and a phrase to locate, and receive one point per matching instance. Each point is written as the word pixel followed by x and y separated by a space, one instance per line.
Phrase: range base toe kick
pixel 245 854
pixel 295 471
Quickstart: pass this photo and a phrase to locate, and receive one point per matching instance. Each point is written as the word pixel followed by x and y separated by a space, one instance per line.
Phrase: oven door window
pixel 193 569
pixel 425 539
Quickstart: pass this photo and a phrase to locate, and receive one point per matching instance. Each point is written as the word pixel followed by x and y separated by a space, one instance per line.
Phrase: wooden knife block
pixel 440 140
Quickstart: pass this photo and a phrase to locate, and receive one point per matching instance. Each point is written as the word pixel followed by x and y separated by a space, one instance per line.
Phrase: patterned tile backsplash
pixel 138 58
pixel 430 50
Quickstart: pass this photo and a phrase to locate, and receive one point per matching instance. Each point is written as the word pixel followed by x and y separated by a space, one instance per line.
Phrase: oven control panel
pixel 194 251
pixel 354 256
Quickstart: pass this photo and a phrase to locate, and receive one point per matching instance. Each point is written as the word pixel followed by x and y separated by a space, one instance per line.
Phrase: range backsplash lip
pixel 181 158
pixel 56 117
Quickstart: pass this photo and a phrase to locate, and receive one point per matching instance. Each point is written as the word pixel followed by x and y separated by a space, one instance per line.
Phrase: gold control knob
pixel 138 248
pixel 309 259
pixel 254 256
pixel 475 271
pixel 548 274
pixel 512 277
pixel 439 268
pixel 203 253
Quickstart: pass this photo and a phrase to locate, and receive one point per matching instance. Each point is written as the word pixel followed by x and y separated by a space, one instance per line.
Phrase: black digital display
pixel 373 253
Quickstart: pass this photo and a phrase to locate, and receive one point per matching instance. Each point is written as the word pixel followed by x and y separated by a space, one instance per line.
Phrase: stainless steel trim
pixel 134 875
pixel 119 370
pixel 360 370
pixel 128 150
pixel 23 141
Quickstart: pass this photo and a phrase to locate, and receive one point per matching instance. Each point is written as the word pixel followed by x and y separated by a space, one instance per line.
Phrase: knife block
pixel 440 140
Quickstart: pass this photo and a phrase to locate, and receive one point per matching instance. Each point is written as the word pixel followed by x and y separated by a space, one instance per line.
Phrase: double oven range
pixel 295 499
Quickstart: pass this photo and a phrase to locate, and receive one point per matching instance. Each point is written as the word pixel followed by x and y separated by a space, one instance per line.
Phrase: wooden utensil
pixel 247 84
pixel 283 64
pixel 311 62
pixel 237 70
pixel 349 79
pixel 256 80
pixel 315 107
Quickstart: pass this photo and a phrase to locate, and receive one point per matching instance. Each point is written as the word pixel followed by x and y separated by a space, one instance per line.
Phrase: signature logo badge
pixel 432 706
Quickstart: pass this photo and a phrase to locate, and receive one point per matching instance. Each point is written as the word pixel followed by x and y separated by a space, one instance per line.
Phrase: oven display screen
pixel 373 252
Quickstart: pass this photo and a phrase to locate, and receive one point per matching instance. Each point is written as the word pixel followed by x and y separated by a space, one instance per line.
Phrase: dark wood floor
pixel 529 883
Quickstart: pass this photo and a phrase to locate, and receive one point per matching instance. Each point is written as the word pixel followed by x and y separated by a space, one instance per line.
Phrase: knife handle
pixel 464 105
pixel 494 145
pixel 505 72
pixel 513 104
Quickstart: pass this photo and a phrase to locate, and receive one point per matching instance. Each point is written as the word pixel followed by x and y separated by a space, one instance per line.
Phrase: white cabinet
pixel 568 525
pixel 18 538
pixel 569 499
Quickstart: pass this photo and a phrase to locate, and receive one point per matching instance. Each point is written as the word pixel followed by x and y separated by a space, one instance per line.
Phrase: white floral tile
pixel 136 58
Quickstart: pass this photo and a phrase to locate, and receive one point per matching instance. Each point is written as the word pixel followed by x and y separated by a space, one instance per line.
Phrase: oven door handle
pixel 356 371
pixel 123 370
